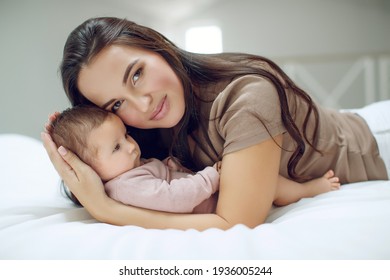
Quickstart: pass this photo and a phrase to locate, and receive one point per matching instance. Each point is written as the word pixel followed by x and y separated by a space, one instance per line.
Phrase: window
pixel 204 39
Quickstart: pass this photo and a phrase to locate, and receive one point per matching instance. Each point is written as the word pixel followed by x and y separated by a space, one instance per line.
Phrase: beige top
pixel 241 107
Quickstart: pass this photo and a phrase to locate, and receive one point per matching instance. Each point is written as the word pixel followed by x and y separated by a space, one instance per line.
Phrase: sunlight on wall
pixel 204 39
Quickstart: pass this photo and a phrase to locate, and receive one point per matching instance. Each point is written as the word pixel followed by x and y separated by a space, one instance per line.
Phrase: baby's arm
pixel 180 195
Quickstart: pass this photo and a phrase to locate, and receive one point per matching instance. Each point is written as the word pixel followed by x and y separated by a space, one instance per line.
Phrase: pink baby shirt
pixel 154 185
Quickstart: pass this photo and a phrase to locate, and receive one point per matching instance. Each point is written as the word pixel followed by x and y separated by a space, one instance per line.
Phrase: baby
pixel 100 139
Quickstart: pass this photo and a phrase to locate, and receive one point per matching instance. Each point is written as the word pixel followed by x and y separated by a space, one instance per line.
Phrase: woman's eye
pixel 136 76
pixel 116 106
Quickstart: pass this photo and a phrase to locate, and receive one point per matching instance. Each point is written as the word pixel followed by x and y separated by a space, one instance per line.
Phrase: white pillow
pixel 27 175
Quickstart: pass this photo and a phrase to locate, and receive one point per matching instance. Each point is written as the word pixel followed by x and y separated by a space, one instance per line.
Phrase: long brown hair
pixel 194 70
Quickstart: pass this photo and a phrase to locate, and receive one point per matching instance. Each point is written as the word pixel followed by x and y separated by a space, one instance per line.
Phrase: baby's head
pixel 99 138
pixel 71 129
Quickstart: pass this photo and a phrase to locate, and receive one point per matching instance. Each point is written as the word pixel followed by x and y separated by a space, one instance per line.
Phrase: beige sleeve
pixel 249 111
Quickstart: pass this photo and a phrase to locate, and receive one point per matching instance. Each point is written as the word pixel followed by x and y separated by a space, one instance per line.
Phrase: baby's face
pixel 116 152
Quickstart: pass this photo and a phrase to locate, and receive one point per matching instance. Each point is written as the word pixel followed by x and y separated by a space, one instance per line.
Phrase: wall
pixel 33 35
pixel 337 50
pixel 285 28
pixel 297 33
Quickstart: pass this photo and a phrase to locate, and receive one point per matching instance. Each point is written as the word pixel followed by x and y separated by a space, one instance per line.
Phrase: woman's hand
pixel 52 117
pixel 81 179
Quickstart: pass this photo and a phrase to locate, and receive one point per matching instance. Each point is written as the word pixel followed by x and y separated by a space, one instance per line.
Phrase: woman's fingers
pixel 51 119
pixel 82 180
pixel 79 177
pixel 76 165
pixel 59 164
pixel 53 116
pixel 65 162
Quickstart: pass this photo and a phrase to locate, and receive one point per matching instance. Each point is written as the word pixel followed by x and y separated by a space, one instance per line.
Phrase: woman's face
pixel 136 84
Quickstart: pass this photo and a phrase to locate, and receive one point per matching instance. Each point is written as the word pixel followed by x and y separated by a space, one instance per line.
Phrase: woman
pixel 237 108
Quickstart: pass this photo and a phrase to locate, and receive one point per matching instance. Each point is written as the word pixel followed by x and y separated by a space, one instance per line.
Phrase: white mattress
pixel 38 222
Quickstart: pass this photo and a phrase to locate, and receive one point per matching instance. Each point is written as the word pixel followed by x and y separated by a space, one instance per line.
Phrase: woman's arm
pixel 248 183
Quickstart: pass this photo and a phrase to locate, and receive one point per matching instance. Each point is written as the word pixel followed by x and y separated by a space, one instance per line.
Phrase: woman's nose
pixel 142 102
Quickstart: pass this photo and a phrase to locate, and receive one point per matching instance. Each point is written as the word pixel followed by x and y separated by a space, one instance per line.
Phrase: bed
pixel 38 222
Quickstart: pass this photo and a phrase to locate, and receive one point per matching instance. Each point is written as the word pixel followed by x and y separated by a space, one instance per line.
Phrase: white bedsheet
pixel 38 222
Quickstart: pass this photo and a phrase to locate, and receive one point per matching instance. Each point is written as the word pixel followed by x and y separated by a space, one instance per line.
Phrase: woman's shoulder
pixel 249 98
pixel 248 90
pixel 250 80
pixel 246 112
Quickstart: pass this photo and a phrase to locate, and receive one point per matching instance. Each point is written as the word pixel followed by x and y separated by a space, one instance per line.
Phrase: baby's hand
pixel 218 166
pixel 174 165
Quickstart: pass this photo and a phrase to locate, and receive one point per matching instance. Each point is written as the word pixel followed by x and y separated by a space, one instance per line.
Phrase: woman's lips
pixel 161 110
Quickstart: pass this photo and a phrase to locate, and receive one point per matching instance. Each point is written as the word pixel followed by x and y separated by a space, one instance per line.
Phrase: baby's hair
pixel 71 130
pixel 73 126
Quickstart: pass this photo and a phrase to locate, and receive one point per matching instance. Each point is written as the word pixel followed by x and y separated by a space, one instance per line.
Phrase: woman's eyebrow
pixel 128 70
